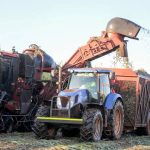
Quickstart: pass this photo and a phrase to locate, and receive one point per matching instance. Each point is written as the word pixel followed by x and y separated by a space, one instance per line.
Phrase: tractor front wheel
pixel 43 130
pixel 92 127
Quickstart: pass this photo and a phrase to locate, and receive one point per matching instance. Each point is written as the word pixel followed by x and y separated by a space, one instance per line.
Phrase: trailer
pixel 135 90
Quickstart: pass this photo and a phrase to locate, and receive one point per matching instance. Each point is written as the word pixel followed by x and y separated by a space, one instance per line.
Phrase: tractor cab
pixel 96 83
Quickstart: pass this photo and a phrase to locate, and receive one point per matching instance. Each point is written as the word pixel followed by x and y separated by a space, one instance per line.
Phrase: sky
pixel 60 27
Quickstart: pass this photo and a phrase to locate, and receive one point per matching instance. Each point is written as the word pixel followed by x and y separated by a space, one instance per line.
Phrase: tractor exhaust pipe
pixel 59 79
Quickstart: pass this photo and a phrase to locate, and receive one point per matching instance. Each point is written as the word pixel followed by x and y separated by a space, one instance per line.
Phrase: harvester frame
pixel 20 86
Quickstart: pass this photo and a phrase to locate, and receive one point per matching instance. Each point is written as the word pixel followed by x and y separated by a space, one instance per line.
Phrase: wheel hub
pixel 118 119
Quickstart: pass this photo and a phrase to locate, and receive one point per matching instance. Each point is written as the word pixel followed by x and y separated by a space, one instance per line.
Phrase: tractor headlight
pixel 59 103
pixel 71 101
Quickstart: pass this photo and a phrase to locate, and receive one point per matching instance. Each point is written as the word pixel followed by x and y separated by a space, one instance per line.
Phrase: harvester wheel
pixel 42 130
pixel 116 121
pixel 92 127
pixel 147 130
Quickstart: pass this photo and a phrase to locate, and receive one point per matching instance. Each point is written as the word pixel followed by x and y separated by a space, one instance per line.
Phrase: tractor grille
pixel 60 113
pixel 63 107
pixel 64 101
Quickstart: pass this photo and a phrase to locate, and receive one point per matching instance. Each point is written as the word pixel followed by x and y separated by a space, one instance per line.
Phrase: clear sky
pixel 61 26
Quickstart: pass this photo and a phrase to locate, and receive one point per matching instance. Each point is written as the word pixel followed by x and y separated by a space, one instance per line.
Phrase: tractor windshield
pixel 84 81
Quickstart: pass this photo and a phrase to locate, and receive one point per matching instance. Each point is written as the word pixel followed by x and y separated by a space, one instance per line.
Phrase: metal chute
pixel 124 27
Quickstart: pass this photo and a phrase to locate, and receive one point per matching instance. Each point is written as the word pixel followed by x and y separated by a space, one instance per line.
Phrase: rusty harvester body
pixel 20 87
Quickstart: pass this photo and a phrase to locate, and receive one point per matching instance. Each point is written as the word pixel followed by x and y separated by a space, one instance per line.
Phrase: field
pixel 27 141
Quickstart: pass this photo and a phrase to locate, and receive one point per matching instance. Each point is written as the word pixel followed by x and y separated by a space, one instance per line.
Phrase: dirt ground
pixel 27 141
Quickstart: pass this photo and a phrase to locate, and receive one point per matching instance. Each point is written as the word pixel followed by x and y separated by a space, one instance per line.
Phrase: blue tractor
pixel 88 106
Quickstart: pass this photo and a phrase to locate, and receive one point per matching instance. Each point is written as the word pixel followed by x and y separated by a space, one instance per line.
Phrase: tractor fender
pixel 111 100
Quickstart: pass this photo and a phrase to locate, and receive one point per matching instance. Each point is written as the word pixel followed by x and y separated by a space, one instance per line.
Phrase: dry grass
pixel 27 141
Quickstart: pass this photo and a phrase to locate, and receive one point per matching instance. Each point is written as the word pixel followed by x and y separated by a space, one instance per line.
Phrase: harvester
pixel 20 86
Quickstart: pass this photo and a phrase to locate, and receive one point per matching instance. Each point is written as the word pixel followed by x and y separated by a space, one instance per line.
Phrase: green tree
pixel 143 72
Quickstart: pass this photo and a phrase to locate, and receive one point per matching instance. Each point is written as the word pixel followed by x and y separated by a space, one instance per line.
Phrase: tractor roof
pixel 124 72
pixel 90 70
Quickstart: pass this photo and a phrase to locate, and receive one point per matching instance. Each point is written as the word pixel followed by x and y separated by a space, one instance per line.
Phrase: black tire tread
pixel 111 122
pixel 41 129
pixel 86 129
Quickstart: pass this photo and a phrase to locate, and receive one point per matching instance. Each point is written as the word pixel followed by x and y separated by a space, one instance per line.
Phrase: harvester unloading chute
pixel 124 27
pixel 42 60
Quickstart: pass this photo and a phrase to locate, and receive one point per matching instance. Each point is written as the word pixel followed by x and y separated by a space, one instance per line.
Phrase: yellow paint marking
pixel 63 119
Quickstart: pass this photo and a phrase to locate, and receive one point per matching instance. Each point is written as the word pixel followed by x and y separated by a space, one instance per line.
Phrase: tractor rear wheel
pixel 92 127
pixel 43 130
pixel 116 121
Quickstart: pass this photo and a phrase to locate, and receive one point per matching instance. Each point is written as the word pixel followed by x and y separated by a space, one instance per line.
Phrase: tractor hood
pixel 80 95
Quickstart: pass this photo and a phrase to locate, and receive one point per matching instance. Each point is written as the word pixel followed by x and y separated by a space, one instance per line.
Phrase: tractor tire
pixel 43 130
pixel 7 124
pixel 116 121
pixel 147 130
pixel 92 127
